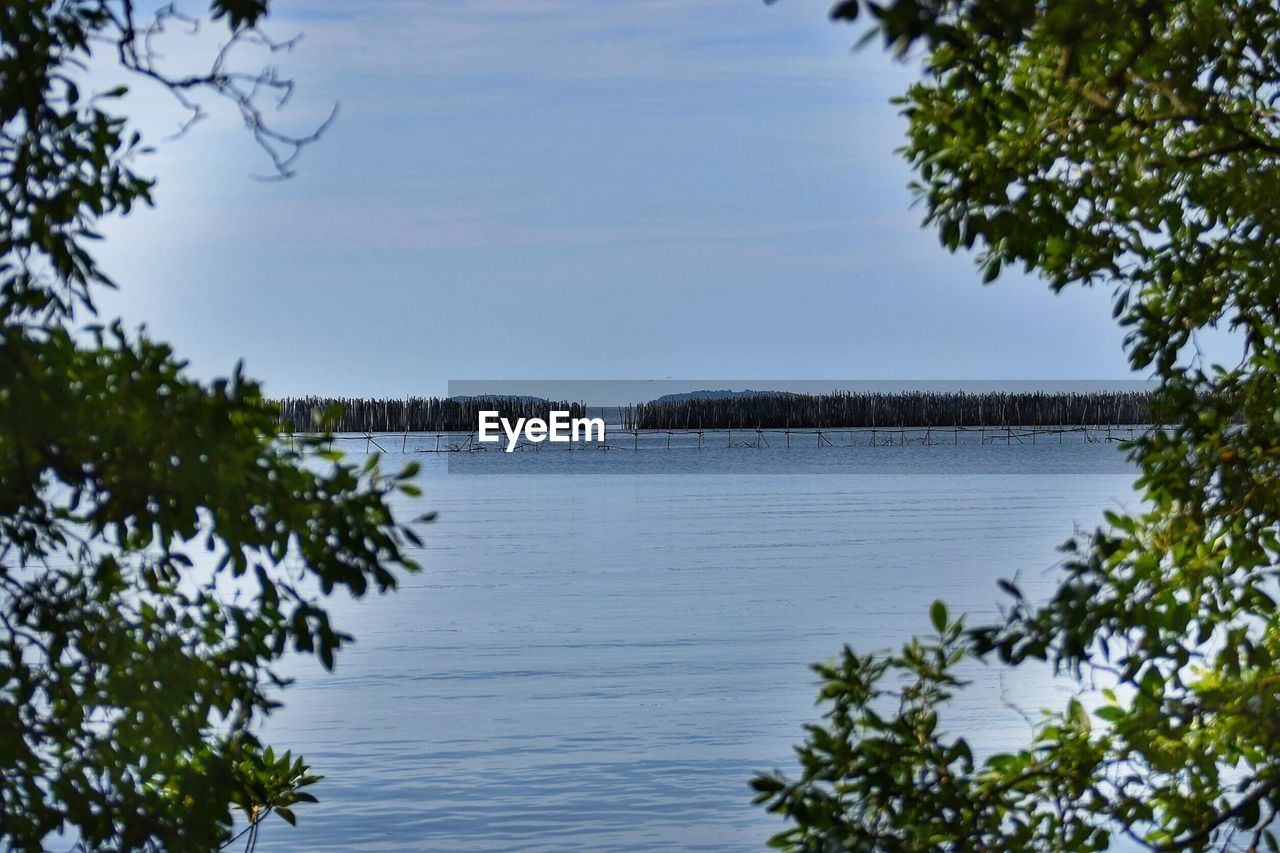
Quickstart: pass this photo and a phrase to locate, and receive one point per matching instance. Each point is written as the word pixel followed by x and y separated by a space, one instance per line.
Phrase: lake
pixel 602 649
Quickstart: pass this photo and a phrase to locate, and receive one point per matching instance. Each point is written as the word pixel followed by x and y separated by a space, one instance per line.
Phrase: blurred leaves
pixel 160 550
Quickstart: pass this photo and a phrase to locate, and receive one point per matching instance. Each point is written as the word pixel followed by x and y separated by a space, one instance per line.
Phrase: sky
pixel 647 189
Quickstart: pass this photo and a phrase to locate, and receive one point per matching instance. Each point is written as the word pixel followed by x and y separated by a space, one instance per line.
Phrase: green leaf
pixel 938 616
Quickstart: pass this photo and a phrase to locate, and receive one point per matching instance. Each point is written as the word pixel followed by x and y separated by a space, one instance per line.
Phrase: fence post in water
pixel 1099 416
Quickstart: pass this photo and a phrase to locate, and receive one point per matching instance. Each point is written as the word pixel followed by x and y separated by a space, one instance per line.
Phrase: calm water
pixel 603 662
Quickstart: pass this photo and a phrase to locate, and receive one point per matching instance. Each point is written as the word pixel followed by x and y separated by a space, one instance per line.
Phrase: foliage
pixel 1131 144
pixel 131 675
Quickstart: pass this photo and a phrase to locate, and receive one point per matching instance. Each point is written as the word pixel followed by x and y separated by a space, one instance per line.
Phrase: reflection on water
pixel 603 662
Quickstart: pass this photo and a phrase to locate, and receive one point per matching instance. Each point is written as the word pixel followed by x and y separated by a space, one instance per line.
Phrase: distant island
pixel 725 409
pixel 717 395
pixel 501 398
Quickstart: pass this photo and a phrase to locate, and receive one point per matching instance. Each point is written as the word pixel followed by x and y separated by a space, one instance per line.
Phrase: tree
pixel 131 675
pixel 1135 145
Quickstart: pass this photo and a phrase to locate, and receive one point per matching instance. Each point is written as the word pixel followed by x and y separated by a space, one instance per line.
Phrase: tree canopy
pixel 132 669
pixel 1130 145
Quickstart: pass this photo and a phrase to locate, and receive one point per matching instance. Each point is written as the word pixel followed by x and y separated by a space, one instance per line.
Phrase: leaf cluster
pixel 1131 145
pixel 160 550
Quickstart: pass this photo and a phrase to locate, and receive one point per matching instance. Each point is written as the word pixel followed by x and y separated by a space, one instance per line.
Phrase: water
pixel 603 662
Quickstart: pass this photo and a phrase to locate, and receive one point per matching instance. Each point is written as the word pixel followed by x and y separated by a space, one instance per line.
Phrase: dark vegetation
pixel 1133 145
pixel 742 410
pixel 910 409
pixel 133 681
pixel 409 414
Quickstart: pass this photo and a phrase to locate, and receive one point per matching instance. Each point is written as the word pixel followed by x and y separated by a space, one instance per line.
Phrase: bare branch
pixel 136 47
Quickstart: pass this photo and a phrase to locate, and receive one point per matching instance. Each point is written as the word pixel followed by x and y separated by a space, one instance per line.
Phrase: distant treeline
pixel 409 414
pixel 907 409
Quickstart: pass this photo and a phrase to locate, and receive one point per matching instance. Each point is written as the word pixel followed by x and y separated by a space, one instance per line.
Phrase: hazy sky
pixel 641 189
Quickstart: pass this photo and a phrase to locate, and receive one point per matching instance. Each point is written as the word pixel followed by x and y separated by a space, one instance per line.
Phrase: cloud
pixel 538 42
